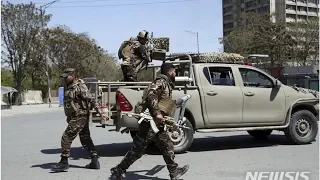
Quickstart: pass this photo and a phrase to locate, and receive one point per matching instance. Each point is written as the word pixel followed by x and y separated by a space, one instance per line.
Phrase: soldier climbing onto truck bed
pixel 77 103
pixel 158 99
pixel 135 55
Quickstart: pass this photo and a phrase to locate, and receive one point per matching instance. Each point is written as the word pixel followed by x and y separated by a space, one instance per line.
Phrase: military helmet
pixel 143 35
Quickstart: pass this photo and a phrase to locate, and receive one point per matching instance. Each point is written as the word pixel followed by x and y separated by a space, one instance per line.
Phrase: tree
pixel 238 41
pixel 20 24
pixel 306 33
pixel 257 34
pixel 6 77
pixel 79 51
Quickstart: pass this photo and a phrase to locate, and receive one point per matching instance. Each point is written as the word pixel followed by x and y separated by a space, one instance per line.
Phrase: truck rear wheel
pixel 303 127
pixel 260 134
pixel 182 138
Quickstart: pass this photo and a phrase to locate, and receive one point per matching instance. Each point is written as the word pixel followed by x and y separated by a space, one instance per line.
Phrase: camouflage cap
pixel 67 72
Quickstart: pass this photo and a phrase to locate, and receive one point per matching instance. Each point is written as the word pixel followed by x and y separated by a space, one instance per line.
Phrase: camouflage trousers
pixel 130 72
pixel 140 142
pixel 77 126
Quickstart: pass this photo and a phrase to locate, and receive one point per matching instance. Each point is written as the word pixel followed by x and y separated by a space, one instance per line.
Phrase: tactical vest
pixel 166 104
pixel 73 105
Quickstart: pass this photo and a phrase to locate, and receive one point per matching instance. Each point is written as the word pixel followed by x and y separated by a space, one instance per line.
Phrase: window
pixel 227 1
pixel 252 78
pixel 249 4
pixel 314 10
pixel 313 1
pixel 290 7
pixel 302 9
pixel 227 9
pixel 300 17
pixel 228 25
pixel 228 17
pixel 219 76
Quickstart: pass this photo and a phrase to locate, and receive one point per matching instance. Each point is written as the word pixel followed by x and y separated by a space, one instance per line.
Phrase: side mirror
pixel 277 83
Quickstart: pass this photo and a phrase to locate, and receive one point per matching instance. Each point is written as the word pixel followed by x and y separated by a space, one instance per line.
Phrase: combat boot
pixel 179 172
pixel 94 164
pixel 117 173
pixel 63 165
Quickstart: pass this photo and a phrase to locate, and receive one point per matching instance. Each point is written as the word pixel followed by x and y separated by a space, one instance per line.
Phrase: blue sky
pixel 111 25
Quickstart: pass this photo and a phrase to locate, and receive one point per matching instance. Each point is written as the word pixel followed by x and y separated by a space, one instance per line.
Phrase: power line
pixel 66 2
pixel 121 5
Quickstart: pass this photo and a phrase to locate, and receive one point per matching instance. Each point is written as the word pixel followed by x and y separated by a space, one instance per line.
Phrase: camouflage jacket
pixel 158 96
pixel 78 100
pixel 132 52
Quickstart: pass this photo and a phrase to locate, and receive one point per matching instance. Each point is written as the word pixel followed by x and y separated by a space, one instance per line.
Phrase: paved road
pixel 31 144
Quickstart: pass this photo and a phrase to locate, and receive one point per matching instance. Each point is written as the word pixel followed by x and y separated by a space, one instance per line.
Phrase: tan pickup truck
pixel 233 97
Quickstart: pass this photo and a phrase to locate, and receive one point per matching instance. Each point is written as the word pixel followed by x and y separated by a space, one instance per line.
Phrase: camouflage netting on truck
pixel 211 57
pixel 160 43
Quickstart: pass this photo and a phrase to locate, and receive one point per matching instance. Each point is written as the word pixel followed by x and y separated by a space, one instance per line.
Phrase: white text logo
pixel 277 176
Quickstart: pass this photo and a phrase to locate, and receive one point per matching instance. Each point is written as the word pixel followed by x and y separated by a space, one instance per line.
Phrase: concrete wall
pixel 32 97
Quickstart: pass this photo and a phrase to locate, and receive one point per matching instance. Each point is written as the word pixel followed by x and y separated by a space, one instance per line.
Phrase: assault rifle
pixel 167 120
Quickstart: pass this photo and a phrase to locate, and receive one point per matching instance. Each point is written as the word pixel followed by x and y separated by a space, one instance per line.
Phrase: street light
pixel 196 34
pixel 42 8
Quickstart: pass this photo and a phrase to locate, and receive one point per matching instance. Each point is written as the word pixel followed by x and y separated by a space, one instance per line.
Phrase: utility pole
pixel 196 34
pixel 42 8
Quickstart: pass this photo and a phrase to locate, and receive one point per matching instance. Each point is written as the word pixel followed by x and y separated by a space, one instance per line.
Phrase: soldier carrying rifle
pixel 158 99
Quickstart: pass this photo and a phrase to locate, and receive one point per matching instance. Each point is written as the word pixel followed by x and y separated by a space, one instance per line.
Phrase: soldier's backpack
pixel 123 45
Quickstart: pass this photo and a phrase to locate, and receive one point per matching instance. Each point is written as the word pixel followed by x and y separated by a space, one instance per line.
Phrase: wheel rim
pixel 303 128
pixel 177 136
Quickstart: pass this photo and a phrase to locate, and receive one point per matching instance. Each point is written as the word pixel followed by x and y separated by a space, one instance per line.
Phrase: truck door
pixel 263 102
pixel 222 99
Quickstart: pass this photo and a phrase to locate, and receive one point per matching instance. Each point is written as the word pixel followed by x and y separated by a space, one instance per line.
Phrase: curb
pixel 18 111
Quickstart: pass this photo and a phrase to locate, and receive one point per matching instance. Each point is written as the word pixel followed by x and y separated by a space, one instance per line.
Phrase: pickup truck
pixel 233 97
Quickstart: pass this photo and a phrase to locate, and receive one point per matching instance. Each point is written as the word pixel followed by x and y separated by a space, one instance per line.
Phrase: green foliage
pixel 257 34
pixel 31 50
pixel 6 77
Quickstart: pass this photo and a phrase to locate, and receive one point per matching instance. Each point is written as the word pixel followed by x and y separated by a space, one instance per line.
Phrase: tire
pixel 303 127
pixel 260 134
pixel 186 141
pixel 179 146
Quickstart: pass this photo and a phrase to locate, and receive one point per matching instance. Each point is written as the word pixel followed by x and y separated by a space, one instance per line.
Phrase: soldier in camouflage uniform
pixel 159 101
pixel 134 54
pixel 77 103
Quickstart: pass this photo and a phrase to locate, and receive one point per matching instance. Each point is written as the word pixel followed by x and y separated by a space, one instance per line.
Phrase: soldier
pixel 135 55
pixel 77 100
pixel 158 99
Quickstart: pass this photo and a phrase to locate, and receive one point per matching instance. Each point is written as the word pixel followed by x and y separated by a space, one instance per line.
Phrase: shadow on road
pixel 235 142
pixel 48 166
pixel 199 144
pixel 129 175
pixel 133 174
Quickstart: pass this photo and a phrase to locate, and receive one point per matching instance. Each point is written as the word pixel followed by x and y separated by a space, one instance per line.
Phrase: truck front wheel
pixel 303 127
pixel 260 134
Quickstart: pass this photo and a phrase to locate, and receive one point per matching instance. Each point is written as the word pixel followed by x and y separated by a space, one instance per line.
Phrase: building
pixel 289 10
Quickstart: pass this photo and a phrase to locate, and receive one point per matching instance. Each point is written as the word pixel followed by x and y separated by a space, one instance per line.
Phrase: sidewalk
pixel 30 109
